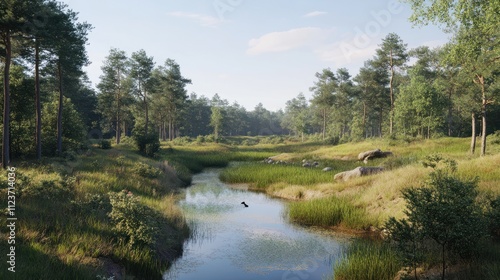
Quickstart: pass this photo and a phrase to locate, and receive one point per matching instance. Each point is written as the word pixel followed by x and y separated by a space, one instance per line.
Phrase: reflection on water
pixel 233 242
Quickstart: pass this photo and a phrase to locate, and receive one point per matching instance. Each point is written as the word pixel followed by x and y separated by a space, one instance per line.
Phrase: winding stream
pixel 256 242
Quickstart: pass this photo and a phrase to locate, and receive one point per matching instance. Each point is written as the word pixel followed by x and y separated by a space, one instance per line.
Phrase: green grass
pixel 365 260
pixel 261 175
pixel 65 230
pixel 329 212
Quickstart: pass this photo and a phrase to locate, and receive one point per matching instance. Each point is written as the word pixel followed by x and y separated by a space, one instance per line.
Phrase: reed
pixel 364 260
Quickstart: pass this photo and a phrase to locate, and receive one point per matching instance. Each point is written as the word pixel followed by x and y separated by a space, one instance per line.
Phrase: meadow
pixel 80 214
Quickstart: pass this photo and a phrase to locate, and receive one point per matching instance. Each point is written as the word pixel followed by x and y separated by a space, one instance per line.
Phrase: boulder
pixel 365 156
pixel 357 172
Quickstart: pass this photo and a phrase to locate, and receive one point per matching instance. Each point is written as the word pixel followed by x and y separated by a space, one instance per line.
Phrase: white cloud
pixel 346 52
pixel 286 40
pixel 314 14
pixel 203 20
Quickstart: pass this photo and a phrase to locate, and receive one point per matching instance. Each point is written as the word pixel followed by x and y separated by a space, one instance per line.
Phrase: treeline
pixel 137 97
pixel 49 106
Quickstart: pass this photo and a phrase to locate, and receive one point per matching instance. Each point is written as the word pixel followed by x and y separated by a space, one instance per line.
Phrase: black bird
pixel 244 204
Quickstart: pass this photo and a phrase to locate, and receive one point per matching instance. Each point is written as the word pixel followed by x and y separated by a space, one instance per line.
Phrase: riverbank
pixel 105 213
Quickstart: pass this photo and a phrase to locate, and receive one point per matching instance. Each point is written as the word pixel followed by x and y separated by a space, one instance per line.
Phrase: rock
pixel 326 169
pixel 365 156
pixel 306 164
pixel 357 172
pixel 315 164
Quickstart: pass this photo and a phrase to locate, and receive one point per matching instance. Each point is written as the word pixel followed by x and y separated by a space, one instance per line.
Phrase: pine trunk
pixel 38 107
pixel 473 138
pixel 59 110
pixel 6 102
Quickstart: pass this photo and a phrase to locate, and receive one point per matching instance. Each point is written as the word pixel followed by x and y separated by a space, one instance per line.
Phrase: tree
pixel 114 89
pixel 14 15
pixel 68 47
pixel 170 90
pixel 296 115
pixel 444 211
pixel 141 73
pixel 474 25
pixel 371 82
pixel 323 97
pixel 216 121
pixel 391 55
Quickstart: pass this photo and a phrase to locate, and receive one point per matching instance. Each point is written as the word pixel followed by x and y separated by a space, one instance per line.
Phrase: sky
pixel 249 52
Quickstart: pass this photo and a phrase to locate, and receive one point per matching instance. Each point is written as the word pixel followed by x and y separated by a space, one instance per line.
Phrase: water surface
pixel 234 242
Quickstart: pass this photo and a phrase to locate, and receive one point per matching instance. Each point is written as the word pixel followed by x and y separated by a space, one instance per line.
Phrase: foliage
pixel 494 217
pixel 146 170
pixel 443 211
pixel 148 144
pixel 105 144
pixel 134 222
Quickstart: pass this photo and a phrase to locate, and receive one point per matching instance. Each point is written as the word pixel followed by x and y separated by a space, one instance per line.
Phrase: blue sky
pixel 249 51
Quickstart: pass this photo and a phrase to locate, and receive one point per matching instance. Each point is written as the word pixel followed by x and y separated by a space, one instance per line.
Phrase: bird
pixel 244 204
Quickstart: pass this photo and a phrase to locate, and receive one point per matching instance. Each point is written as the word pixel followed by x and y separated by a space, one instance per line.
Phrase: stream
pixel 235 242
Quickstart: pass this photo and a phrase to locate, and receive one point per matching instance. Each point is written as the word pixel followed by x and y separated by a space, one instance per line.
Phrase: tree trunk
pixel 364 120
pixel 391 92
pixel 450 113
pixel 483 117
pixel 38 107
pixel 147 114
pixel 6 101
pixel 473 138
pixel 118 112
pixel 444 261
pixel 324 123
pixel 59 110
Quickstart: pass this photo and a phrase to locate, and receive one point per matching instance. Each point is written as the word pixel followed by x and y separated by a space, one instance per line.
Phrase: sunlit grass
pixel 365 260
pixel 329 212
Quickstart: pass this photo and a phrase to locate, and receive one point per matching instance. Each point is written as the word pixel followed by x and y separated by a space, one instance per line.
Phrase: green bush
pixel 134 223
pixel 146 170
pixel 148 144
pixel 495 138
pixel 105 144
pixel 494 217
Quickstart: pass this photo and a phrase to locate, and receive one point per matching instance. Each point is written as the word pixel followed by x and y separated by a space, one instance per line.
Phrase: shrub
pixel 134 223
pixel 148 144
pixel 494 217
pixel 495 138
pixel 105 144
pixel 443 212
pixel 146 170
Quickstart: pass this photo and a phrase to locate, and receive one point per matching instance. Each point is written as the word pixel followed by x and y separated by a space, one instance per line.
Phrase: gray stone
pixel 358 172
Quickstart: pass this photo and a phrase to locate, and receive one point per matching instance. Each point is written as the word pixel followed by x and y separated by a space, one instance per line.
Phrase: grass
pixel 365 260
pixel 329 212
pixel 64 230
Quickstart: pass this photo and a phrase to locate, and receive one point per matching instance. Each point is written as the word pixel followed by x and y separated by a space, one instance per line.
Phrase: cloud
pixel 203 20
pixel 346 52
pixel 286 40
pixel 315 14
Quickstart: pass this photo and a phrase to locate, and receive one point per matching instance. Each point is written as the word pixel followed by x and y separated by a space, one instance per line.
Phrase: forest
pixel 400 93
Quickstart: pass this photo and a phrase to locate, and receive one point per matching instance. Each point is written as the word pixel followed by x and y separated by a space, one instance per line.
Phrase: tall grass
pixel 364 260
pixel 263 175
pixel 65 231
pixel 328 212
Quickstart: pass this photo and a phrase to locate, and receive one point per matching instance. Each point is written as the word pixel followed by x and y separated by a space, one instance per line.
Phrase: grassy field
pixel 65 204
pixel 64 230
